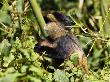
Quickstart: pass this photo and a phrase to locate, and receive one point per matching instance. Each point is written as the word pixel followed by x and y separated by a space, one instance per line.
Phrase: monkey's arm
pixel 48 44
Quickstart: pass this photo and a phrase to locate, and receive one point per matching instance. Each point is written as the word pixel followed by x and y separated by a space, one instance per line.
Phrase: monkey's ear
pixel 52 18
pixel 49 17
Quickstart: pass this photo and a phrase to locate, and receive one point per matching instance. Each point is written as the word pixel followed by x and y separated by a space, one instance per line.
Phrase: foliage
pixel 19 62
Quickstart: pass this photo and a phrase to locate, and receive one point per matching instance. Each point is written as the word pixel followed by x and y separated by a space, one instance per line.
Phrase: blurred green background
pixel 19 62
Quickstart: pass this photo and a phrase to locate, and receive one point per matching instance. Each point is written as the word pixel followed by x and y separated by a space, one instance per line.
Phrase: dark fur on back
pixel 66 45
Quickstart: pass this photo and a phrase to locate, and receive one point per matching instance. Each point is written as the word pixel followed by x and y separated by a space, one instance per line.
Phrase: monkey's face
pixel 54 30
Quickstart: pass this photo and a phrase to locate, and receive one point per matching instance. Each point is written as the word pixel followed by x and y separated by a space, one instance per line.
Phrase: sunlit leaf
pixel 9 77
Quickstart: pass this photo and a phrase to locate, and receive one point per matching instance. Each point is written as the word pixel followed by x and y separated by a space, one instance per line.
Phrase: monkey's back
pixel 66 45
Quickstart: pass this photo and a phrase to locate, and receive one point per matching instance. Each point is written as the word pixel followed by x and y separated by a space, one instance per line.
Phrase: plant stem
pixel 38 14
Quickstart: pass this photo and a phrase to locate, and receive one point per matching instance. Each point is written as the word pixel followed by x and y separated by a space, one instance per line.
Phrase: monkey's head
pixel 63 19
pixel 54 30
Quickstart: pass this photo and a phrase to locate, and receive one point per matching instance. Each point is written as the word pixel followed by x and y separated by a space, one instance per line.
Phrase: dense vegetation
pixel 19 28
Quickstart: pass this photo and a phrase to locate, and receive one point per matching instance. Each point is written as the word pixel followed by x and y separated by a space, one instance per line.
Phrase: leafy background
pixel 19 62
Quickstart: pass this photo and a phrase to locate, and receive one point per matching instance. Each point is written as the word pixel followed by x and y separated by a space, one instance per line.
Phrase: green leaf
pixel 74 58
pixel 60 76
pixel 33 79
pixel 8 60
pixel 4 16
pixel 105 15
pixel 37 70
pixel 9 77
pixel 108 46
pixel 5 47
pixel 19 6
